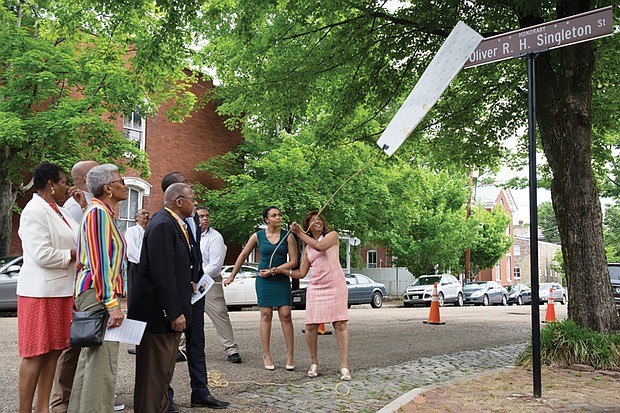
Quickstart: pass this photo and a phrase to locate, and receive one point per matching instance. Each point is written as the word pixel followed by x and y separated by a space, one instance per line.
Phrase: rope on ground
pixel 216 379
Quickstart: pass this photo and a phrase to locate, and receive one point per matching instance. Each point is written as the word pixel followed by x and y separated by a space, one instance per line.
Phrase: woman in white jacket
pixel 45 284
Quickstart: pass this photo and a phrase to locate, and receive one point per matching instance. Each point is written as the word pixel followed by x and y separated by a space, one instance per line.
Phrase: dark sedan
pixel 362 290
pixel 9 270
pixel 519 294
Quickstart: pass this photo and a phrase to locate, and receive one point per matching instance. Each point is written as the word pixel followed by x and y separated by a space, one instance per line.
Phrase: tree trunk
pixel 7 198
pixel 564 115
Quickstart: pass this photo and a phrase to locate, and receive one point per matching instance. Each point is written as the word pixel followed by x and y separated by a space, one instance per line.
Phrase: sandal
pixel 345 374
pixel 314 370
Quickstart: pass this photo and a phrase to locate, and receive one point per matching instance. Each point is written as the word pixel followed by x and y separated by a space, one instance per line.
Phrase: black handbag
pixel 88 328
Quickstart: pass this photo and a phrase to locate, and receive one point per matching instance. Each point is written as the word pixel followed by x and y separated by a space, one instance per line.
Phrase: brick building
pixel 170 147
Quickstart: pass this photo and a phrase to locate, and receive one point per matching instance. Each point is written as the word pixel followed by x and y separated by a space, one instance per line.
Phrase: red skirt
pixel 43 324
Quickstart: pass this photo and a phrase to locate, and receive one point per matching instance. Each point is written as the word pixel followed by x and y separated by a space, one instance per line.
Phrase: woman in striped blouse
pixel 101 253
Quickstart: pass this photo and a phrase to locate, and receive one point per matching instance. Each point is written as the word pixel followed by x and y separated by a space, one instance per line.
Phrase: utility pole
pixel 473 174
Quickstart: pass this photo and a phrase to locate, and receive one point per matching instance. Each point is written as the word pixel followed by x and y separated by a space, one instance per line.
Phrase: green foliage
pixel 611 232
pixel 547 222
pixel 417 213
pixel 71 66
pixel 565 343
pixel 488 238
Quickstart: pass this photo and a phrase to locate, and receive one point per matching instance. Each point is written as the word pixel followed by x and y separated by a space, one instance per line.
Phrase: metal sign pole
pixel 531 120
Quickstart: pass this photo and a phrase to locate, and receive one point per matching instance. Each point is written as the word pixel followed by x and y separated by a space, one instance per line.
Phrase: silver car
pixel 9 271
pixel 420 292
pixel 485 293
pixel 558 293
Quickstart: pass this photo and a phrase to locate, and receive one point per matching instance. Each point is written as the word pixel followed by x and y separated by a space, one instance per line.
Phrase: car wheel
pixel 441 300
pixel 234 308
pixel 519 300
pixel 504 300
pixel 485 300
pixel 377 300
pixel 459 301
pixel 563 300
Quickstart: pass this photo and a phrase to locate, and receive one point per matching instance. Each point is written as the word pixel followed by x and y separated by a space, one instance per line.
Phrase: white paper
pixel 204 285
pixel 444 67
pixel 131 332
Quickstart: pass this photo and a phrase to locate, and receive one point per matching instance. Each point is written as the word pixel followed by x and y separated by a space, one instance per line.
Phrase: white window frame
pixel 139 188
pixel 134 127
pixel 517 273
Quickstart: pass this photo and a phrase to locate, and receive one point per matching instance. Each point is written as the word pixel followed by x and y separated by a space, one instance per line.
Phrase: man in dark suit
pixel 161 297
pixel 195 333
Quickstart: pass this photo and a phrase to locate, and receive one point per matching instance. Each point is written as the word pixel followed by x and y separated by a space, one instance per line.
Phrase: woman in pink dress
pixel 327 295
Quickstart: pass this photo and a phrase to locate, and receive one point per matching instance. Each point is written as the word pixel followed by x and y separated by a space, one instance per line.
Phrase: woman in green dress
pixel 277 253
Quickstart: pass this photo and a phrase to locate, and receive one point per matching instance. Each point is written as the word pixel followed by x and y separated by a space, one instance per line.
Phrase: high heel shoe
pixel 345 374
pixel 268 366
pixel 314 370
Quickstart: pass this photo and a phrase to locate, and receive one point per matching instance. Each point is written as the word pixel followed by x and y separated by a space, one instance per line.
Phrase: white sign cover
pixel 446 64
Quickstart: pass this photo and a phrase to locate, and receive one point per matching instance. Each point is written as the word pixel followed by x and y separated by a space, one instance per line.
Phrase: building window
pixel 517 250
pixel 498 273
pixel 371 259
pixel 137 189
pixel 517 273
pixel 508 269
pixel 134 126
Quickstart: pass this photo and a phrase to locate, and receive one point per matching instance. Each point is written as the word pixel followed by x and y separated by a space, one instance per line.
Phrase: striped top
pixel 101 253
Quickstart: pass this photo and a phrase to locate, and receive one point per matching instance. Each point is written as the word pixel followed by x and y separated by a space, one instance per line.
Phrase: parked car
pixel 9 271
pixel 449 290
pixel 519 294
pixel 614 274
pixel 485 293
pixel 362 290
pixel 242 291
pixel 558 292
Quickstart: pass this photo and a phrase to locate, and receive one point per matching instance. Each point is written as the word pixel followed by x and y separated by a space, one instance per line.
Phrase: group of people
pixel 75 256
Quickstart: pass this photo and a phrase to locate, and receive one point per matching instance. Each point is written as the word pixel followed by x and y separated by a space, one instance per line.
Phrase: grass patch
pixel 565 343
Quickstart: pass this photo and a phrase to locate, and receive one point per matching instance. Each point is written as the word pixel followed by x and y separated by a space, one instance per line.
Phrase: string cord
pixel 359 171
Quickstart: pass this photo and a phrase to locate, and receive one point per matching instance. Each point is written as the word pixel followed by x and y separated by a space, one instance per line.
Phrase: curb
pixel 410 395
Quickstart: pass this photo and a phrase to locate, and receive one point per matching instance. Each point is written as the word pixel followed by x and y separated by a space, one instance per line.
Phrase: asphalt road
pixel 377 338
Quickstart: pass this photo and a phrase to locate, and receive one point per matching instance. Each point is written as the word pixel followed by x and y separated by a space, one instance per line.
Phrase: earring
pixel 53 192
pixel 110 194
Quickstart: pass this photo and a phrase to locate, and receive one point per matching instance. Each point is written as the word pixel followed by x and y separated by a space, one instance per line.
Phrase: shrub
pixel 565 343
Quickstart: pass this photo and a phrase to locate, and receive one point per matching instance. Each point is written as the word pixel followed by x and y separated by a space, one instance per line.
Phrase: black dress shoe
pixel 211 402
pixel 172 407
pixel 234 358
pixel 181 356
pixel 131 351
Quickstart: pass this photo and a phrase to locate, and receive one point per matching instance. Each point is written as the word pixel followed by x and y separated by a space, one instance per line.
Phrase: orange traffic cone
pixel 322 330
pixel 550 316
pixel 433 316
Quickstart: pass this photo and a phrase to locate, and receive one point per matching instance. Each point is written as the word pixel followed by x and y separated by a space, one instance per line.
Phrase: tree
pixel 417 213
pixel 547 223
pixel 68 68
pixel 339 70
pixel 491 241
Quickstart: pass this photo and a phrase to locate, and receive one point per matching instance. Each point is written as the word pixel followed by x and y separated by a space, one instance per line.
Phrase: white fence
pixel 395 279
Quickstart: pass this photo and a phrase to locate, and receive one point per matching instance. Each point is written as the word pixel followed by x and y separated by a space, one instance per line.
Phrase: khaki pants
pixel 95 377
pixel 215 307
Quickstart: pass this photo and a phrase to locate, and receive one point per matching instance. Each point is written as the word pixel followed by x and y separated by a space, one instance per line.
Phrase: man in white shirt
pixel 213 252
pixel 134 236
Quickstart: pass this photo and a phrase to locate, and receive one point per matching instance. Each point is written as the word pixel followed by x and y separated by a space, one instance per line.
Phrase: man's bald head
pixel 79 171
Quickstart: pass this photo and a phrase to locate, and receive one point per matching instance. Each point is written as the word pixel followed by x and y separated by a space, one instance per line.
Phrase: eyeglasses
pixel 122 181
